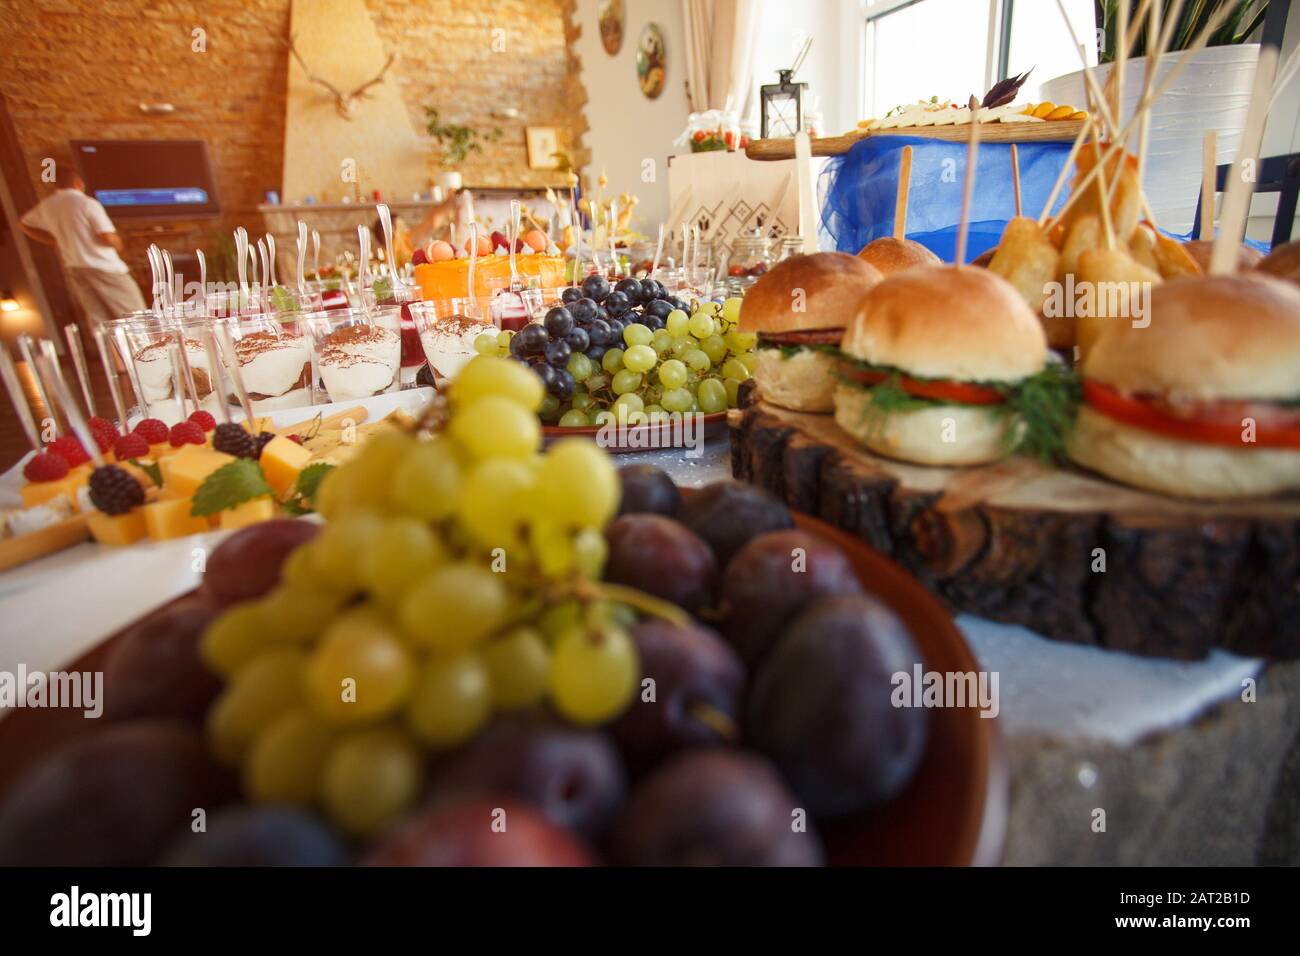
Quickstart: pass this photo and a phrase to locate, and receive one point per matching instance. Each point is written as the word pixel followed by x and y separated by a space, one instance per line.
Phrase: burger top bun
pixel 890 255
pixel 1201 250
pixel 1283 262
pixel 819 291
pixel 1221 337
pixel 954 322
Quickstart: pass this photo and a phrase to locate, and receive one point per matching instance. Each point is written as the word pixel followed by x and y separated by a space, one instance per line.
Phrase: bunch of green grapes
pixel 694 363
pixel 455 576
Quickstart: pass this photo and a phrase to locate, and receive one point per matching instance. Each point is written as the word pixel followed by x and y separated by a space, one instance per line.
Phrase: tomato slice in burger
pixel 1218 423
pixel 952 393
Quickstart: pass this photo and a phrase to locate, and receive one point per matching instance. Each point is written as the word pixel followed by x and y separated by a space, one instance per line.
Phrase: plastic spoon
pixel 73 335
pixel 363 266
pixel 386 223
pixel 169 290
pixel 659 249
pixel 75 420
pixel 302 262
pixel 228 345
pixel 174 352
pixel 265 258
pixel 28 351
pixel 473 258
pixel 15 389
pixel 203 281
pixel 216 360
pixel 270 260
pixel 513 239
pixel 114 387
pixel 241 262
pixel 187 370
pixel 315 253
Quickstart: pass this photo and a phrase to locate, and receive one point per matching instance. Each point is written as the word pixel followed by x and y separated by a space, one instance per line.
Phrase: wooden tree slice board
pixel 1057 131
pixel 1018 542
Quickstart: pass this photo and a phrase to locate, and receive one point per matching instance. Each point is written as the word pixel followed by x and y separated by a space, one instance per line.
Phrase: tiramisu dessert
pixel 154 366
pixel 357 361
pixel 449 343
pixel 276 370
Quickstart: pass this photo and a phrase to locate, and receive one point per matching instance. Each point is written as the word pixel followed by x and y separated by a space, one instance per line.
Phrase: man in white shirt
pixel 88 244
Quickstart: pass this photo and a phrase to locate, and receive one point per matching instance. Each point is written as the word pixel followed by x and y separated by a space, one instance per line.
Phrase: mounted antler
pixel 342 101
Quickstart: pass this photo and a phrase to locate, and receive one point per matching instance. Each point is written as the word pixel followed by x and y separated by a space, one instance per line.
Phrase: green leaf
pixel 231 484
pixel 383 289
pixel 151 469
pixel 309 479
pixel 1047 404
pixel 282 300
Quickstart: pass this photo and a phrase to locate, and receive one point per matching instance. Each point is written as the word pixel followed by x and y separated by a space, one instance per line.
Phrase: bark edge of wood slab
pixel 1016 542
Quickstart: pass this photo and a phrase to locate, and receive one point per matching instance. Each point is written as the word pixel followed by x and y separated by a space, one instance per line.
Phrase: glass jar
pixel 751 255
pixel 791 246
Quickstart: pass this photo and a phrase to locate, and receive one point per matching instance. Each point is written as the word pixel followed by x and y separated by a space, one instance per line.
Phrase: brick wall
pixel 75 70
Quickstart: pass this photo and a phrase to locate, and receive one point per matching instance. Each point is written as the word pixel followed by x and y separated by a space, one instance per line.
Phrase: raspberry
pixel 131 446
pixel 113 491
pixel 204 420
pixel 152 430
pixel 235 439
pixel 186 433
pixel 69 447
pixel 45 466
pixel 296 439
pixel 105 432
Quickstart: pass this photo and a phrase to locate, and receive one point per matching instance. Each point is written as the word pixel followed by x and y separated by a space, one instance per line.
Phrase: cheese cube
pixel 39 492
pixel 250 512
pixel 117 530
pixel 171 518
pixel 184 471
pixel 281 462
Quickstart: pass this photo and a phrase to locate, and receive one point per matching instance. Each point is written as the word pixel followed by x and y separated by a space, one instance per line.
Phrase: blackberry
pixel 263 439
pixel 113 491
pixel 235 439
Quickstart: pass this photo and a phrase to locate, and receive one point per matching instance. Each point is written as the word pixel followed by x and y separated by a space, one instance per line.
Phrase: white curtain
pixel 720 38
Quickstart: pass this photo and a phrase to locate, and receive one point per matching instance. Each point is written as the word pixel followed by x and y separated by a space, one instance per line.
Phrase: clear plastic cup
pixel 447 330
pixel 356 353
pixel 273 354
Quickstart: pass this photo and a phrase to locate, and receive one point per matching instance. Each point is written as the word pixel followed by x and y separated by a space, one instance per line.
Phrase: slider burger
pixel 799 310
pixel 948 365
pixel 890 255
pixel 1205 401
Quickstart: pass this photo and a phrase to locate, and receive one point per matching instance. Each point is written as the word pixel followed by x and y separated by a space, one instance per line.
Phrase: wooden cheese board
pixel 1063 552
pixel 1056 131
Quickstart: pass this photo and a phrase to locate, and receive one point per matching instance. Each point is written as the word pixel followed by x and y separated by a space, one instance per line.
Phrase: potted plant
pixel 1212 93
pixel 456 141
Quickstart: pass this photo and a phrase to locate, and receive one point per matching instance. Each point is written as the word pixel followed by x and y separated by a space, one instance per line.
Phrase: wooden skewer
pixel 1015 178
pixel 1121 58
pixel 357 415
pixel 1236 198
pixel 1091 89
pixel 1149 98
pixel 1107 224
pixel 1214 22
pixel 1065 169
pixel 1209 163
pixel 968 188
pixel 904 182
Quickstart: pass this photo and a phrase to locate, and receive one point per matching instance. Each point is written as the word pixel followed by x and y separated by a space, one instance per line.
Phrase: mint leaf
pixel 231 484
pixel 151 469
pixel 309 479
pixel 282 300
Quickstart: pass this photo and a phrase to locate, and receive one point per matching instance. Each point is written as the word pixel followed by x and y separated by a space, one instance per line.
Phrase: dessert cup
pixel 447 332
pixel 357 353
pixel 274 356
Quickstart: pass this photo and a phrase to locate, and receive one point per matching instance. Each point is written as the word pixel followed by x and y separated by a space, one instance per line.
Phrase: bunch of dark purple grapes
pixel 591 321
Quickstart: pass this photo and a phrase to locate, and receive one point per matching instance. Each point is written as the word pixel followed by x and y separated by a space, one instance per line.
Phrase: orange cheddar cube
pixel 117 530
pixel 39 492
pixel 171 518
pixel 281 462
pixel 184 471
pixel 250 512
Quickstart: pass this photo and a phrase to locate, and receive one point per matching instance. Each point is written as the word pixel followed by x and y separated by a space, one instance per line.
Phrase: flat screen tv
pixel 149 178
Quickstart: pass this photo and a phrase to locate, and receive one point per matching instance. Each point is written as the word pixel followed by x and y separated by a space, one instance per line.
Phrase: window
pixel 916 49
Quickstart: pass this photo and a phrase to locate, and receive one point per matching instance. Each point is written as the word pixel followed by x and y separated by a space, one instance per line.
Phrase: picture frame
pixel 543 145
